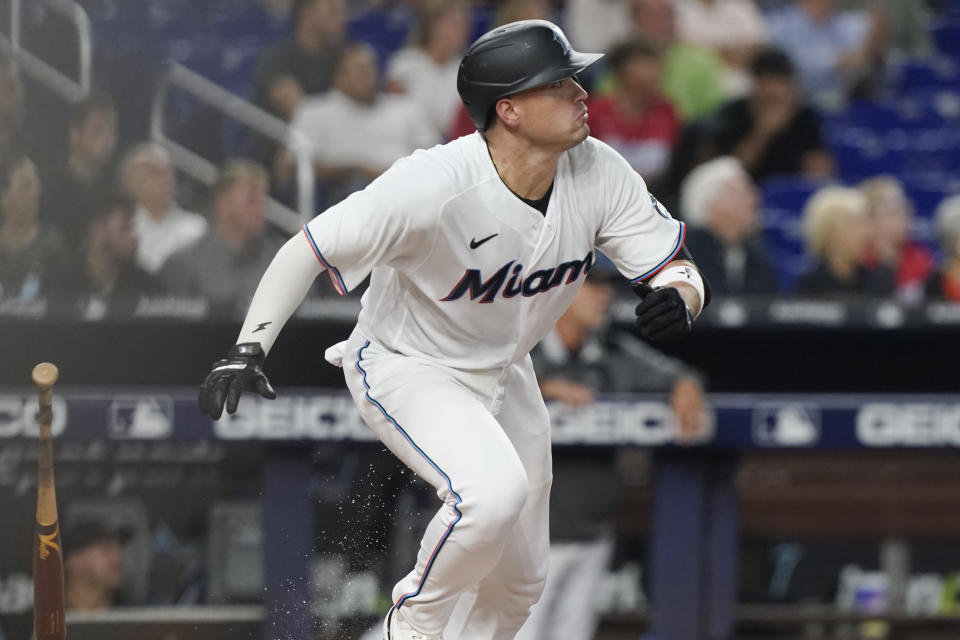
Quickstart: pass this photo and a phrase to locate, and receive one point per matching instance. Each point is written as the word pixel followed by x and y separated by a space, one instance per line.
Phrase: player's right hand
pixel 241 370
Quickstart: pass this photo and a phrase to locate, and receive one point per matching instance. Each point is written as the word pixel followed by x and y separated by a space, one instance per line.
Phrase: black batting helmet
pixel 512 58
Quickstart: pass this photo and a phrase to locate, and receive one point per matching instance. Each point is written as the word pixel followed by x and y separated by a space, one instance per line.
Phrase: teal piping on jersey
pixel 331 270
pixel 673 254
pixel 446 534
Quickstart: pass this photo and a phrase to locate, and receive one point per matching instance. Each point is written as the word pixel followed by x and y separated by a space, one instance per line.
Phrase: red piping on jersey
pixel 666 261
pixel 332 272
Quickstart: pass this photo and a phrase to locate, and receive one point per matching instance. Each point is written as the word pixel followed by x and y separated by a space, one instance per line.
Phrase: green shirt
pixel 691 79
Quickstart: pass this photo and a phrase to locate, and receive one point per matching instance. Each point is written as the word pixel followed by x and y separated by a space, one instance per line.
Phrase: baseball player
pixel 475 248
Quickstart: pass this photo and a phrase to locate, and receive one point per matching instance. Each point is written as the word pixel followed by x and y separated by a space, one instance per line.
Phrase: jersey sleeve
pixel 392 222
pixel 636 231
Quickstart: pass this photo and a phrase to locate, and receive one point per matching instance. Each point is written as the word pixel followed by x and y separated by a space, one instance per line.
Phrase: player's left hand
pixel 662 314
pixel 241 370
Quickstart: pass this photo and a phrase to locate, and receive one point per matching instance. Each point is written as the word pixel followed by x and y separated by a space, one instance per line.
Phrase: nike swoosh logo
pixel 474 243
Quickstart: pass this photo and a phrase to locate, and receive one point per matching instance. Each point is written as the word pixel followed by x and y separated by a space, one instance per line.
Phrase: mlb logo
pixel 141 417
pixel 786 425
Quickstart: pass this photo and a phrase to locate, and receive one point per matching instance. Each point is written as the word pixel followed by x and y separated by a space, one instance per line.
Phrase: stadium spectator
pixel 304 64
pixel 834 50
pixel 103 280
pixel 596 24
pixel 890 215
pixel 426 70
pixel 27 247
pixel 358 132
pixel 516 10
pixel 224 266
pixel 837 235
pixel 85 172
pixel 908 24
pixel 772 131
pixel 945 283
pixel 94 566
pixel 734 29
pixel 574 363
pixel 162 227
pixel 12 107
pixel 635 118
pixel 719 204
pixel 692 75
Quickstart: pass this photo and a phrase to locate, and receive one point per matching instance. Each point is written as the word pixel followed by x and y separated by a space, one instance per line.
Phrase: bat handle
pixel 48 590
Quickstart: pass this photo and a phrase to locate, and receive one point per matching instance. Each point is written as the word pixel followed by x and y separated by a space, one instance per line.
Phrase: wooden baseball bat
pixel 48 596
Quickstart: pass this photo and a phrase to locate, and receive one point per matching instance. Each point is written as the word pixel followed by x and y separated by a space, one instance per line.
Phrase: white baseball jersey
pixel 464 271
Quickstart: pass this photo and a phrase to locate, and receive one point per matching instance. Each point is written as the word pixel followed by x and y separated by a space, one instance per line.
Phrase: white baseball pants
pixel 482 439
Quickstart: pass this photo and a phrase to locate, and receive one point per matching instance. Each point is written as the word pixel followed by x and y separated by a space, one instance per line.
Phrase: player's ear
pixel 507 111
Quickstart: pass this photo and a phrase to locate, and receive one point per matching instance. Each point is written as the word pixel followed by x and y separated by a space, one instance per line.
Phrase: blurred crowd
pixel 706 99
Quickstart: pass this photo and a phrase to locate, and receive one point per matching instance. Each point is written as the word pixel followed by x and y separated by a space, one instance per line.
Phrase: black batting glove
pixel 662 313
pixel 241 370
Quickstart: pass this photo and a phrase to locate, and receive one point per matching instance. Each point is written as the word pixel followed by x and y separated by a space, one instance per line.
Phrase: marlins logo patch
pixel 562 42
pixel 659 208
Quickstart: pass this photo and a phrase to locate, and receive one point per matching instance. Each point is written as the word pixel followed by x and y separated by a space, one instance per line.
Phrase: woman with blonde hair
pixel 890 213
pixel 837 236
pixel 945 284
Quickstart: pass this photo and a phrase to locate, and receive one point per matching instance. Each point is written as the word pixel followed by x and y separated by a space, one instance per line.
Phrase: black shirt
pixel 23 273
pixel 758 274
pixel 66 200
pixel 785 151
pixel 821 282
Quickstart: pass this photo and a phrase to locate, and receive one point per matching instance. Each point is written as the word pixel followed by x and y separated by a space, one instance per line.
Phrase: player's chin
pixel 581 133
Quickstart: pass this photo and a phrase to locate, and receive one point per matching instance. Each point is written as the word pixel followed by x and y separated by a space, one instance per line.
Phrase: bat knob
pixel 45 375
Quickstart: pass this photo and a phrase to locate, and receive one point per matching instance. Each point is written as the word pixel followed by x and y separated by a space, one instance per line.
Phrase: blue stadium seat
pixel 385 31
pixel 946 34
pixel 869 155
pixel 937 72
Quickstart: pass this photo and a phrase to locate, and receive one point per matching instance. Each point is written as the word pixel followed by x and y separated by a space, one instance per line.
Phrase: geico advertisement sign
pixel 18 416
pixel 296 418
pixel 913 424
pixel 645 423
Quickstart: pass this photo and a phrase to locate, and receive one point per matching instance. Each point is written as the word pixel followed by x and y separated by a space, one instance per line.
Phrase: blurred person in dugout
pixel 579 359
pixel 720 206
pixel 86 170
pixel 162 227
pixel 890 214
pixel 356 130
pixel 426 69
pixel 944 284
pixel 635 118
pixel 103 280
pixel 303 65
pixel 836 229
pixel 28 247
pixel 94 566
pixel 225 264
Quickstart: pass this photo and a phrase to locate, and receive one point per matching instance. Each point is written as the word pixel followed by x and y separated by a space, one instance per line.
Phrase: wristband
pixel 681 273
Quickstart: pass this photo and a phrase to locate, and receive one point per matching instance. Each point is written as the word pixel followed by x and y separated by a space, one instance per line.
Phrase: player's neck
pixel 528 171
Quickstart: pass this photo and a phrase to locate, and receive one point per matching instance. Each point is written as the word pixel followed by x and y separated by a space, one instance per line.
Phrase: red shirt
pixel 915 265
pixel 645 141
